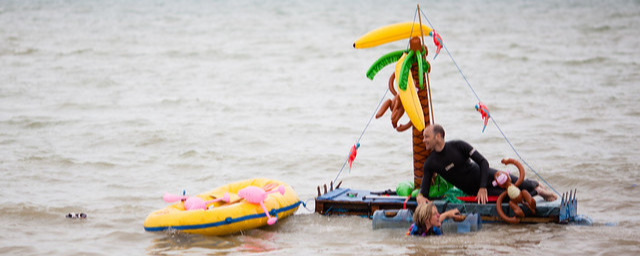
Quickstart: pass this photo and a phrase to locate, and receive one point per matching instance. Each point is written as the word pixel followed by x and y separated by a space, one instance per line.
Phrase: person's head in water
pixel 433 137
pixel 427 216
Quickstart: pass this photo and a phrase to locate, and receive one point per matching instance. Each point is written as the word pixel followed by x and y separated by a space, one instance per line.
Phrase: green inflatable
pixel 439 187
pixel 415 192
pixel 404 188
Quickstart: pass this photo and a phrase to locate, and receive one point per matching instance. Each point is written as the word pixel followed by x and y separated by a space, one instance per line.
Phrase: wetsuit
pixel 454 165
pixel 414 230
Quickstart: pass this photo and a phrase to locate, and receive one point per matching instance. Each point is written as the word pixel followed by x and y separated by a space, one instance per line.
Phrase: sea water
pixel 106 105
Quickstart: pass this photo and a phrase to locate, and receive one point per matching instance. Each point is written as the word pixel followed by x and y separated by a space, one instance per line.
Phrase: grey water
pixel 106 105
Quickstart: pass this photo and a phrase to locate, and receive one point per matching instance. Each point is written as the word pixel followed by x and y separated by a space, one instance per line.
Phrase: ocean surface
pixel 106 105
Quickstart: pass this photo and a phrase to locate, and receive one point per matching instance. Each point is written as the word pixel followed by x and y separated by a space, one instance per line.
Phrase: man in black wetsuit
pixel 452 161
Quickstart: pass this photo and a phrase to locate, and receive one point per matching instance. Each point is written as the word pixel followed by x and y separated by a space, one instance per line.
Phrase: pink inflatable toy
pixel 193 202
pixel 171 198
pixel 256 195
pixel 501 178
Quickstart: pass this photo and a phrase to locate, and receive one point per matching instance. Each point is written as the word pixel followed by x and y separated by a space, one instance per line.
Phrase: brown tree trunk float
pixel 420 153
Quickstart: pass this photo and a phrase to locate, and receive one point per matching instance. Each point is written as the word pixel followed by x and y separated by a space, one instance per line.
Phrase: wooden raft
pixel 345 201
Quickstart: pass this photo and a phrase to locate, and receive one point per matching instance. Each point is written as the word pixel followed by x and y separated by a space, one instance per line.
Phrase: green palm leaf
pixel 404 71
pixel 425 65
pixel 420 70
pixel 382 62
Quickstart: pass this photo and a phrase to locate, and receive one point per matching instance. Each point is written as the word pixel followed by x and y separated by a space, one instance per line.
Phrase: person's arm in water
pixel 449 214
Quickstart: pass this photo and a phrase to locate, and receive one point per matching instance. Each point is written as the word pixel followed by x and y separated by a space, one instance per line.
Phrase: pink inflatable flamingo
pixel 256 195
pixel 193 202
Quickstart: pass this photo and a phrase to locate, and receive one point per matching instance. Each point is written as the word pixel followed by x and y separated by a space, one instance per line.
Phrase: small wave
pixel 18 250
pixel 601 29
pixel 28 51
pixel 596 28
pixel 153 140
pixel 172 102
pixel 584 120
pixel 182 54
pixel 179 240
pixel 99 165
pixel 74 53
pixel 633 113
pixel 124 236
pixel 189 154
pixel 593 60
pixel 34 122
pixel 29 210
pixel 48 160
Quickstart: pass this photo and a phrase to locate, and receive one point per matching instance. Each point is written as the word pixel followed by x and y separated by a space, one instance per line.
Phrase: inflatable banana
pixel 391 33
pixel 409 97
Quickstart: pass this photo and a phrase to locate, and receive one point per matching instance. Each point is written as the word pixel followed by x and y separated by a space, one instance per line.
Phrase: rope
pixel 304 204
pixel 431 117
pixel 490 116
pixel 414 21
pixel 362 134
pixel 328 210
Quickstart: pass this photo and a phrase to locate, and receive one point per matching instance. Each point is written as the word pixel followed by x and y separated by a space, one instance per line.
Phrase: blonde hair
pixel 423 214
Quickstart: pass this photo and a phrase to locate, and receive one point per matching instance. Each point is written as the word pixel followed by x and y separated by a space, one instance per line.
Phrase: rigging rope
pixel 490 116
pixel 362 134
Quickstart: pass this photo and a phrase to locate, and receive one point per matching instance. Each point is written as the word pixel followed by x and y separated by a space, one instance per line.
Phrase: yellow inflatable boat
pixel 227 217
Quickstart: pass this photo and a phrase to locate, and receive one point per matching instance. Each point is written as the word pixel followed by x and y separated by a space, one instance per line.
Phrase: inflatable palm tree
pixel 411 81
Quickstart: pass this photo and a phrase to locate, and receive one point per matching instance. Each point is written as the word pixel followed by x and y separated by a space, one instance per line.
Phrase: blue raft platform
pixel 345 201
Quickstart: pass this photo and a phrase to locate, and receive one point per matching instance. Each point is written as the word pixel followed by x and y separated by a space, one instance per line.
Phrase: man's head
pixel 433 137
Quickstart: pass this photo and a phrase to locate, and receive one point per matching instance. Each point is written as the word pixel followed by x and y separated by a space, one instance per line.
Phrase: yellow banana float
pixel 391 33
pixel 409 97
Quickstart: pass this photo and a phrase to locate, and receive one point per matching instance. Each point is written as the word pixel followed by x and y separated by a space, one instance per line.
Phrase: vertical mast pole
pixel 432 121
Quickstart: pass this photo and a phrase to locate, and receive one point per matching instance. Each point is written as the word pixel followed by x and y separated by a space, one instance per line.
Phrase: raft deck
pixel 345 201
